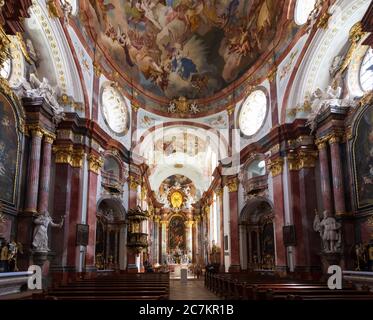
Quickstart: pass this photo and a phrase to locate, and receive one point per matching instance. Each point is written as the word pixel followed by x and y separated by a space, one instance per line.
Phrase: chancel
pixel 186 150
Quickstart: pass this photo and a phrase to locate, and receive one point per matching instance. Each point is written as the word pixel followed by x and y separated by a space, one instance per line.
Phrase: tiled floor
pixel 193 290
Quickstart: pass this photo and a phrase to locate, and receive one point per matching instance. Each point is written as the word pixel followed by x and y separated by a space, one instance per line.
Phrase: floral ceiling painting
pixel 174 48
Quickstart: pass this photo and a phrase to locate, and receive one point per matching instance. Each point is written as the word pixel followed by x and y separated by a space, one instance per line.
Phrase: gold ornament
pixel 276 166
pixel 176 199
pixel 95 163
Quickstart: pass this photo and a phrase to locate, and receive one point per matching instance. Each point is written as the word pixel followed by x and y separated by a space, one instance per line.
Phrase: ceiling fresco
pixel 175 48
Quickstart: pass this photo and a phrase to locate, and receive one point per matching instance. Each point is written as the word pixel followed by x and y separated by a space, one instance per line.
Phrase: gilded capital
pixel 164 223
pixel 276 166
pixel 232 185
pixel 293 161
pixel 334 138
pixel 307 159
pixel 95 163
pixel 189 223
pixel 63 153
pixel 77 158
pixel 37 132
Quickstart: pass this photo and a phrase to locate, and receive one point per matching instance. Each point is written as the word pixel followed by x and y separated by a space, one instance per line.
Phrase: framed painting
pixel 362 153
pixel 82 234
pixel 9 150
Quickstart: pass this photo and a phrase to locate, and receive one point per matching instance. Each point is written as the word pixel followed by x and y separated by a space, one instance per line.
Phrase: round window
pixel 114 109
pixel 366 71
pixel 253 113
pixel 303 8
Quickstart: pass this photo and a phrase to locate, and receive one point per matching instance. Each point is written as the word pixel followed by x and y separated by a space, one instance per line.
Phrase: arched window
pixel 253 113
pixel 114 109
pixel 6 69
pixel 256 168
pixel 366 71
pixel 303 8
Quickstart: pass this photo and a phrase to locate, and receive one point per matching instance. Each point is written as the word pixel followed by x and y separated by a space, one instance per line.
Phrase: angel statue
pixel 45 90
pixel 330 232
pixel 40 236
pixel 194 108
pixel 172 107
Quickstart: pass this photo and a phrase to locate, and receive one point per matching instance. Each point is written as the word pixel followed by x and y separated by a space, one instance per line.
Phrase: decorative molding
pixel 134 183
pixel 4 47
pixel 324 21
pixel 52 9
pixel 366 99
pixel 97 69
pixel 231 110
pixel 23 47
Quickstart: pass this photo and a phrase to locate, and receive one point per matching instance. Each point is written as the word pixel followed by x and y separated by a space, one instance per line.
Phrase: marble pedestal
pixel 328 259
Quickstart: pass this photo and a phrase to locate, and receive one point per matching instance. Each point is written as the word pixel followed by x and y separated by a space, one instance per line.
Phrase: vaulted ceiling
pixel 174 48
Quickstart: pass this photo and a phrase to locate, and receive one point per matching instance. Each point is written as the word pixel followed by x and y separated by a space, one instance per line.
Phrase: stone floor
pixel 193 290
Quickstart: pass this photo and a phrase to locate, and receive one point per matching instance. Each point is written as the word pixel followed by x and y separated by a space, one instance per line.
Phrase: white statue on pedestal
pixel 330 232
pixel 40 236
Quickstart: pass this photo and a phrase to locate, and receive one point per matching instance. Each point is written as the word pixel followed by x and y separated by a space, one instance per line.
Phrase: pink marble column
pixel 279 210
pixel 233 225
pixel 91 220
pixel 45 174
pixel 34 171
pixel 325 177
pixel 338 187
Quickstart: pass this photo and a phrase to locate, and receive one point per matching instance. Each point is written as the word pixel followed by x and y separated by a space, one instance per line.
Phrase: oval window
pixel 303 8
pixel 253 113
pixel 114 109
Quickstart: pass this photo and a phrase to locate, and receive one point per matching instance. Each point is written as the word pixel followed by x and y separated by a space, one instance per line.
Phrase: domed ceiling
pixel 181 48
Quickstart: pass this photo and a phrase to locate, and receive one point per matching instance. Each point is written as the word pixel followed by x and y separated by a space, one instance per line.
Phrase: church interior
pixel 132 169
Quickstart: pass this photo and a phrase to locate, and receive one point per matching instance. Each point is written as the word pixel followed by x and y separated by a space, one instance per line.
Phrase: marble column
pixel 75 251
pixel 276 169
pixel 189 238
pixel 325 176
pixel 95 163
pixel 197 253
pixel 156 241
pixel 34 171
pixel 248 235
pixel 164 225
pixel 338 186
pixel 116 246
pixel 45 173
pixel 233 226
pixel 243 246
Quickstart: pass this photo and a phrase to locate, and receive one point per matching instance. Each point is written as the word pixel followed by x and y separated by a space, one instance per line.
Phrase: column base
pixel 132 268
pixel 234 268
pixel 308 272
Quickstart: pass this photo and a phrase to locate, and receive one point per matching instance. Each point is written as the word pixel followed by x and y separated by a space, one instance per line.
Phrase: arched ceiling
pixel 173 48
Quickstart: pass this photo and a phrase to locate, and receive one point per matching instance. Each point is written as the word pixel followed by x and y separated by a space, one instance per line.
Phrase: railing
pixel 256 184
pixel 112 181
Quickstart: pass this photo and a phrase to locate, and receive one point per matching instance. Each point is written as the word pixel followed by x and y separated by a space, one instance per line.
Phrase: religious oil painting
pixel 8 151
pixel 363 159
pixel 177 233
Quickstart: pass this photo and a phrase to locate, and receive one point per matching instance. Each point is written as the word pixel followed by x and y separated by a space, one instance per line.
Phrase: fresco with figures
pixel 191 48
pixel 8 151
